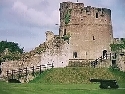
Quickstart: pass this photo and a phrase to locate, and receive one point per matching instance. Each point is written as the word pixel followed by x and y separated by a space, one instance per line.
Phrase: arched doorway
pixel 104 53
pixel 74 54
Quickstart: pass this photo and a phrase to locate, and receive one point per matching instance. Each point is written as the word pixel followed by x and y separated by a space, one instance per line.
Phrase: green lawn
pixel 67 81
pixel 38 88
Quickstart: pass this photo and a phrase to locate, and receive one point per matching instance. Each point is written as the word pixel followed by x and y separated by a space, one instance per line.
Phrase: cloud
pixel 32 16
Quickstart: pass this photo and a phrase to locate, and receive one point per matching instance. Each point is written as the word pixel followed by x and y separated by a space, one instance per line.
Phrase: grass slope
pixel 77 75
pixel 66 81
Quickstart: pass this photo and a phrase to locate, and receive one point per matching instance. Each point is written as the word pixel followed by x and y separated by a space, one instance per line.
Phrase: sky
pixel 26 21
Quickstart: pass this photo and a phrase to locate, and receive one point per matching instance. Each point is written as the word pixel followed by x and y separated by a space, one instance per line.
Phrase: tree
pixel 12 47
pixel 10 51
pixel 116 47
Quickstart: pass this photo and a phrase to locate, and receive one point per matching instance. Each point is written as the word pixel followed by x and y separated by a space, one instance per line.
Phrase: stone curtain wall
pixel 56 51
pixel 15 65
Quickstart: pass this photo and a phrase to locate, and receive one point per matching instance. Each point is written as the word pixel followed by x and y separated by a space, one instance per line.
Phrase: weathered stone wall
pixel 49 35
pixel 15 65
pixel 56 51
pixel 90 29
pixel 121 62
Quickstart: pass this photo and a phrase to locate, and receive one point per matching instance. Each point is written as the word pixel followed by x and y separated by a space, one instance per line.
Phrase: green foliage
pixel 67 16
pixel 9 51
pixel 12 47
pixel 123 40
pixel 117 47
pixel 66 37
pixel 118 73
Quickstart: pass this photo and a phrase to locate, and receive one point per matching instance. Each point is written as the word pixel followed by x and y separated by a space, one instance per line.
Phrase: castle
pixel 90 29
pixel 85 34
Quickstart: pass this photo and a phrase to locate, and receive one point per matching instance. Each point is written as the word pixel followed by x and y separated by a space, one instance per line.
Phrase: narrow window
pixel 64 31
pixel 74 54
pixel 93 38
pixel 96 15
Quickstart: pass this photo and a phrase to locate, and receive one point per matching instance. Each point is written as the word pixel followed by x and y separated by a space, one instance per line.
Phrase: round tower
pixel 90 29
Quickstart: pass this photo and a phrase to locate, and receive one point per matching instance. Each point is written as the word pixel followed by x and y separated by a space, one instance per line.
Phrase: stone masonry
pixel 53 51
pixel 90 29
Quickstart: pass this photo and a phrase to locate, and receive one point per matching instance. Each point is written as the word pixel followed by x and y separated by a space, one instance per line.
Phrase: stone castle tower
pixel 90 29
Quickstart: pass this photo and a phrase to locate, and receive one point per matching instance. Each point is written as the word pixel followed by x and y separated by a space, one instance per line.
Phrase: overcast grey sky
pixel 26 21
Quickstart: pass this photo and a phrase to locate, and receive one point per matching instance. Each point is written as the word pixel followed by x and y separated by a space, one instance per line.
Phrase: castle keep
pixel 85 34
pixel 90 29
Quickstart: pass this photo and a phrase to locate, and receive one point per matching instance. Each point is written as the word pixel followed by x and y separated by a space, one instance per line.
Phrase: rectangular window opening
pixel 96 15
pixel 93 37
pixel 64 31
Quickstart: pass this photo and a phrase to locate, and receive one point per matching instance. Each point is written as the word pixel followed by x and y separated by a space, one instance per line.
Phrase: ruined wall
pixel 15 65
pixel 90 29
pixel 49 36
pixel 118 40
pixel 54 50
pixel 57 52
pixel 121 62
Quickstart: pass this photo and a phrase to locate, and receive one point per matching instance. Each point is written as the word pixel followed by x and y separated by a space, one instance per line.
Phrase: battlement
pixel 77 13
pixel 65 5
pixel 71 5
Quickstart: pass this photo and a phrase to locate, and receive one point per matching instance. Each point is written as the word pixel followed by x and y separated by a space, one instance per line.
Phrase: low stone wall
pixel 80 62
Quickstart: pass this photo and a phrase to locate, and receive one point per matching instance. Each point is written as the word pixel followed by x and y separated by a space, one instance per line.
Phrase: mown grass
pixel 44 84
pixel 39 88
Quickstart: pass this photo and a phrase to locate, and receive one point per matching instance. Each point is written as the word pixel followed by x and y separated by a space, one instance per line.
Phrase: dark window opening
pixel 104 53
pixel 81 10
pixel 96 15
pixel 74 54
pixel 88 8
pixel 113 63
pixel 122 39
pixel 93 38
pixel 64 31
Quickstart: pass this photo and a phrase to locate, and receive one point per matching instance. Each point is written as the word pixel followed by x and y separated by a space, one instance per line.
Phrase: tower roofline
pixel 78 3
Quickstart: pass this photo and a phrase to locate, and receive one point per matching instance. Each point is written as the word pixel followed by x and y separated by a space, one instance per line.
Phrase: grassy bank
pixel 67 81
pixel 77 75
